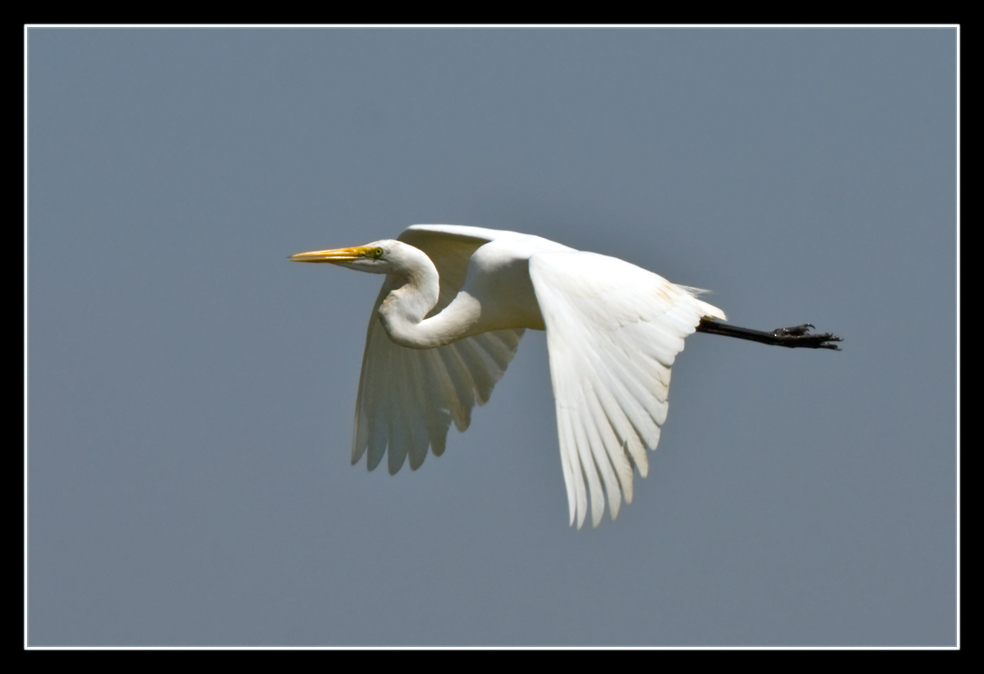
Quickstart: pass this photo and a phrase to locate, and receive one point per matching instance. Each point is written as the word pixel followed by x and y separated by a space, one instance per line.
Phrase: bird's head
pixel 378 257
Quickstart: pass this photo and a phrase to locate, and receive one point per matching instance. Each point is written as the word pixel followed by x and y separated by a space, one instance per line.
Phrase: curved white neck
pixel 416 288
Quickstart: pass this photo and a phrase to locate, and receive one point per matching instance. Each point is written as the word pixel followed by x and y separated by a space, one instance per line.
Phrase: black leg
pixel 797 337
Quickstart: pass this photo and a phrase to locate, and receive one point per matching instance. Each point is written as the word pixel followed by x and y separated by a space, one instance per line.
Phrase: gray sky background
pixel 191 391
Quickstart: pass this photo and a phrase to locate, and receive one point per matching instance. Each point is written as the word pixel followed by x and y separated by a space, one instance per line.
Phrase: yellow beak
pixel 334 255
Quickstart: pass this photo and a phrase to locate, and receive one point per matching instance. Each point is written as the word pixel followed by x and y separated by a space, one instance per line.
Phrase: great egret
pixel 449 317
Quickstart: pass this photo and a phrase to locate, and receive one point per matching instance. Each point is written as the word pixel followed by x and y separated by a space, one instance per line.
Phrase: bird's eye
pixel 376 253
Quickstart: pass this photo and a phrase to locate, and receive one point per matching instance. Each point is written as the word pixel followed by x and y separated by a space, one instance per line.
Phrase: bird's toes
pixel 795 331
pixel 799 336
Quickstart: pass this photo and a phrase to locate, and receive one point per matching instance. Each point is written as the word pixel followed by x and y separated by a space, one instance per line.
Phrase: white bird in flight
pixel 448 319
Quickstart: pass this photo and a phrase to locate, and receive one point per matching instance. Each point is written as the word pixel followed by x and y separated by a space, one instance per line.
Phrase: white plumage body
pixel 449 318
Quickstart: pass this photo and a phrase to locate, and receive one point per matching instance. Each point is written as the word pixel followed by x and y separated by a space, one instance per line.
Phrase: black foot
pixel 800 336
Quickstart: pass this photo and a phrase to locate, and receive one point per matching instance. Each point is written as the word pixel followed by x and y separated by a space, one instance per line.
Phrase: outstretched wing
pixel 409 397
pixel 613 331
